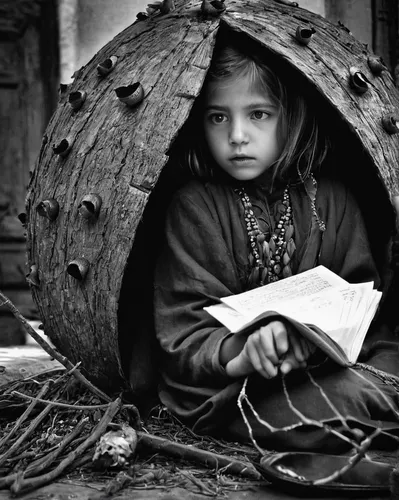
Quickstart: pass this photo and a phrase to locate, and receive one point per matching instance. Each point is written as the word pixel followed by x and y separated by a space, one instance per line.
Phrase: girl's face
pixel 241 124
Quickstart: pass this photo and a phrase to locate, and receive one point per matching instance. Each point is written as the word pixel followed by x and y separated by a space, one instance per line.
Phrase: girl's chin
pixel 248 175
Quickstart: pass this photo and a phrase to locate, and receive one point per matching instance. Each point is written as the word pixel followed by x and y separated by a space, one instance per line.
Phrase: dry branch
pixel 360 449
pixel 352 461
pixel 71 406
pixel 21 484
pixel 32 427
pixel 204 490
pixel 303 419
pixel 51 350
pixel 24 416
pixel 310 421
pixel 194 454
pixel 60 405
pixel 44 462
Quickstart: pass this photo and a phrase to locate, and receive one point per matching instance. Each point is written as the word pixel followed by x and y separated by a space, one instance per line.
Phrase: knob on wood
pixel 131 95
pixel 76 99
pixel 358 80
pixel 78 268
pixel 376 64
pixel 48 208
pixel 107 66
pixel 33 276
pixel 304 34
pixel 90 206
pixel 390 122
pixel 62 148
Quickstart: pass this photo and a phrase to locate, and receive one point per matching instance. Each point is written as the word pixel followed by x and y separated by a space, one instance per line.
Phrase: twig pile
pixel 56 433
pixel 56 436
pixel 51 425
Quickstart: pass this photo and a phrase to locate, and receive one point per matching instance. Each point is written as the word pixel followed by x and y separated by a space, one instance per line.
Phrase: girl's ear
pixel 193 163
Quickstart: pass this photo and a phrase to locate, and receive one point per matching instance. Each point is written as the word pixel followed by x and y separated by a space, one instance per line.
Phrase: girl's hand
pixel 269 348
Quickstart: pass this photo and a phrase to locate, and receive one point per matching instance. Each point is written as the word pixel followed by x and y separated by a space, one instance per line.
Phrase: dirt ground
pixel 71 490
pixel 76 490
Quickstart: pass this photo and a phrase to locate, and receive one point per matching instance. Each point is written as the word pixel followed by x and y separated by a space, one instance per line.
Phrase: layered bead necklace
pixel 269 260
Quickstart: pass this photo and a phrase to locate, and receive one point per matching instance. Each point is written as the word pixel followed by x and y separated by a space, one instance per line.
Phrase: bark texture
pixel 118 152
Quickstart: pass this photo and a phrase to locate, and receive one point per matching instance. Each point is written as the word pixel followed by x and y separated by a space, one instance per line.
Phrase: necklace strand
pixel 269 260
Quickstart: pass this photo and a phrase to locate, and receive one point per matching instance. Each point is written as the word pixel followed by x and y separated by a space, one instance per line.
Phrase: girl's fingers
pixel 281 339
pixel 308 347
pixel 305 347
pixel 266 343
pixel 296 346
pixel 261 363
pixel 291 363
pixel 265 348
pixel 269 369
pixel 241 365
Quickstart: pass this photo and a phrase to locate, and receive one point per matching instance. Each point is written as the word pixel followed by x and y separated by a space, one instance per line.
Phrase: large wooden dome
pixel 99 163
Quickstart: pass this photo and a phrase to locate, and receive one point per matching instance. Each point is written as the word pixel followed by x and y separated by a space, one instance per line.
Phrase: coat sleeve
pixel 345 248
pixel 195 269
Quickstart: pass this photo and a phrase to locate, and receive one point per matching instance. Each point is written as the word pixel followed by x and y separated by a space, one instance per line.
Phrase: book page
pixel 357 297
pixel 360 333
pixel 322 310
pixel 370 309
pixel 296 287
pixel 228 316
pixel 317 297
pixel 356 317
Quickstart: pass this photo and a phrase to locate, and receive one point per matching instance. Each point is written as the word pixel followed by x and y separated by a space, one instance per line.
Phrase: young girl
pixel 258 211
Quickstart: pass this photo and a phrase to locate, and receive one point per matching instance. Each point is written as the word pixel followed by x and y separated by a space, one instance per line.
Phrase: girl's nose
pixel 238 133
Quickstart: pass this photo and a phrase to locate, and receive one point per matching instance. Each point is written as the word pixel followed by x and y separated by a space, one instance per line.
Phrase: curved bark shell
pixel 118 152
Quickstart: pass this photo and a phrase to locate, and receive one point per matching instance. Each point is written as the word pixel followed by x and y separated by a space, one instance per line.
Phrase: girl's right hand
pixel 268 349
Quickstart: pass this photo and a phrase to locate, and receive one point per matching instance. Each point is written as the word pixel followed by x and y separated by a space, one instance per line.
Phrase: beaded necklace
pixel 270 260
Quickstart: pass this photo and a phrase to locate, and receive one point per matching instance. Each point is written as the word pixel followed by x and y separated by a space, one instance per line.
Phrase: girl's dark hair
pixel 304 145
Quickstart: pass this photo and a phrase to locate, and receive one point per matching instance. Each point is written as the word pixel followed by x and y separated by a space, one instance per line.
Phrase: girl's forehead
pixel 241 85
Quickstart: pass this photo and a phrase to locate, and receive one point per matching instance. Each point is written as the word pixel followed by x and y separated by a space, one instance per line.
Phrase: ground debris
pixel 57 417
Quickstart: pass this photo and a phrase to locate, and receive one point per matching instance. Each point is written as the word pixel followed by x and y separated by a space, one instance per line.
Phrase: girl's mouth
pixel 241 159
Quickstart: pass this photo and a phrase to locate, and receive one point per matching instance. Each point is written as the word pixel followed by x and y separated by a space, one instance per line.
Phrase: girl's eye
pixel 217 118
pixel 260 115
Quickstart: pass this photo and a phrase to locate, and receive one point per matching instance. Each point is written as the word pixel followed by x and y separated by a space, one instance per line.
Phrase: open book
pixel 332 313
